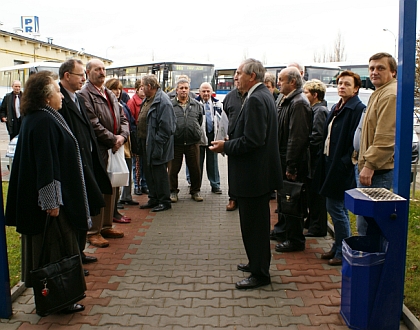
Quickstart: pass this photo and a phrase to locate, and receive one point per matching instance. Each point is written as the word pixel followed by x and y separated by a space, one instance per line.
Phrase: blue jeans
pixel 212 166
pixel 378 181
pixel 340 218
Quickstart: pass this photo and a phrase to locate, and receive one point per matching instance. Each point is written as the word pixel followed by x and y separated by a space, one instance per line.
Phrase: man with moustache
pixel 72 78
pixel 252 151
pixel 111 130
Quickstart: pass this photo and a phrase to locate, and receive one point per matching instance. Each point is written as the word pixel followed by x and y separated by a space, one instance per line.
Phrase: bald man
pixel 212 108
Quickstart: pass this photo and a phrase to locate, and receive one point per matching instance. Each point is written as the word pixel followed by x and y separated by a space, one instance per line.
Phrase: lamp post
pixel 395 41
pixel 106 52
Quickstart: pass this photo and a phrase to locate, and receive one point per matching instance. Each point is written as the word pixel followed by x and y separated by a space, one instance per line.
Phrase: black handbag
pixel 293 199
pixel 59 284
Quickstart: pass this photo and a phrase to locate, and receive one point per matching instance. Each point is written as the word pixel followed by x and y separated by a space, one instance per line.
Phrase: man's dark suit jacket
pixel 8 111
pixel 254 161
pixel 96 178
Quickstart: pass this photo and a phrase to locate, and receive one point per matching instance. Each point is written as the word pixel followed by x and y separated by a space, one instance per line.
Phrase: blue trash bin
pixel 363 258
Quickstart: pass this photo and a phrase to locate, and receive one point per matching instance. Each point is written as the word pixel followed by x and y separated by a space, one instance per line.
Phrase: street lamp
pixel 395 42
pixel 106 52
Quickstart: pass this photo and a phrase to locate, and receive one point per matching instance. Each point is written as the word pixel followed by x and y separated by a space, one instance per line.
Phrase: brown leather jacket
pixel 102 119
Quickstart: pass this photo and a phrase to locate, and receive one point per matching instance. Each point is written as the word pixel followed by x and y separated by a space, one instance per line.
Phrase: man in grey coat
pixel 157 124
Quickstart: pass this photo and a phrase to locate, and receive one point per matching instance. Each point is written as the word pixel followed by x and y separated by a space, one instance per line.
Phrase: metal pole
pixel 405 97
pixel 5 295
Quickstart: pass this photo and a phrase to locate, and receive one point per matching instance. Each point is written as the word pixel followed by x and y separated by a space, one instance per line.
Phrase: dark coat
pixel 295 125
pixel 7 110
pixel 45 172
pixel 335 173
pixel 319 116
pixel 96 177
pixel 253 160
pixel 161 123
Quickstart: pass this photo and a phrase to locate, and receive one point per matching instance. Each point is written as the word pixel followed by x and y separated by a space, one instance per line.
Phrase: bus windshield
pixel 167 74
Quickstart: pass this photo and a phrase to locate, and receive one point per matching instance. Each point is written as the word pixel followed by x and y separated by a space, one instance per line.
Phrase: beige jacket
pixel 378 130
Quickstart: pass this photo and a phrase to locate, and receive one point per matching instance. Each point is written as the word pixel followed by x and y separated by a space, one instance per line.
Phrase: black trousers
pixel 157 180
pixel 317 217
pixel 254 214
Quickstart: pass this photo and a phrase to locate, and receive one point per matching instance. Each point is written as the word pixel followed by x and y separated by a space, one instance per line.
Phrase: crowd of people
pixel 274 135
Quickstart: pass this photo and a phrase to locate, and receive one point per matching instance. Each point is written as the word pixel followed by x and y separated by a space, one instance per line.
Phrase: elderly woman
pixel 316 221
pixel 46 178
pixel 335 171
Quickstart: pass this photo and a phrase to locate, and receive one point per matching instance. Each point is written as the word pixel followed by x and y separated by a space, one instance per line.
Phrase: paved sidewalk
pixel 176 270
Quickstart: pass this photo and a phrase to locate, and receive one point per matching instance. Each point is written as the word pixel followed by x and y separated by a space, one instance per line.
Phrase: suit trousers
pixel 192 158
pixel 254 214
pixel 104 219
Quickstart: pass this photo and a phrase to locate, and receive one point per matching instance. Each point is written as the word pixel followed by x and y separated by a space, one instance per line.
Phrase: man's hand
pixel 291 177
pixel 120 141
pixel 4 119
pixel 365 176
pixel 217 146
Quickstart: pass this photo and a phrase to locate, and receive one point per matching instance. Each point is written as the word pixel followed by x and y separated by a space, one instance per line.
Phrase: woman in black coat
pixel 46 178
pixel 335 173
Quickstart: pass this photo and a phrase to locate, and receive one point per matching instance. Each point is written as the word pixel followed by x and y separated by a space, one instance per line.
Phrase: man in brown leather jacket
pixel 111 130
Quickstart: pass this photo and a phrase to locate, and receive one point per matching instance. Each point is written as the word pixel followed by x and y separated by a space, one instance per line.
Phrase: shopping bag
pixel 117 168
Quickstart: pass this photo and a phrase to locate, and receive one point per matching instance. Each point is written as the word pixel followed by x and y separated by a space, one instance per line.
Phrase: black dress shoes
pixel 73 309
pixel 144 190
pixel 137 191
pixel 88 259
pixel 161 207
pixel 288 246
pixel 85 272
pixel 251 283
pixel 244 268
pixel 149 205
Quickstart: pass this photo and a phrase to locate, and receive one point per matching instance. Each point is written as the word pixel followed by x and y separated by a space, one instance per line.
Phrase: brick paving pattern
pixel 176 270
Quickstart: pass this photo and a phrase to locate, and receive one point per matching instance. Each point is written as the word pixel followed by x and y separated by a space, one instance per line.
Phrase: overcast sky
pixel 221 32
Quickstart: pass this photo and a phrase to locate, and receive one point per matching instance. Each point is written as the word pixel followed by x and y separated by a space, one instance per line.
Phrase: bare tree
pixel 339 55
pixel 336 55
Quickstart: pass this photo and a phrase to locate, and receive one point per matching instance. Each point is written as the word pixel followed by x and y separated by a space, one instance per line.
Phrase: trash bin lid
pixel 380 194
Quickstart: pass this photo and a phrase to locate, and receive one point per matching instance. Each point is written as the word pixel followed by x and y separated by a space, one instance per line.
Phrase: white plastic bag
pixel 117 168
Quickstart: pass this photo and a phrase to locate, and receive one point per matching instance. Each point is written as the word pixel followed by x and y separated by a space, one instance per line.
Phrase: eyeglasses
pixel 78 74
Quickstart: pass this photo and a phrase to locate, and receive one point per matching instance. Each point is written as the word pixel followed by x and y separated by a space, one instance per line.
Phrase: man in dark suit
pixel 252 151
pixel 10 110
pixel 72 78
